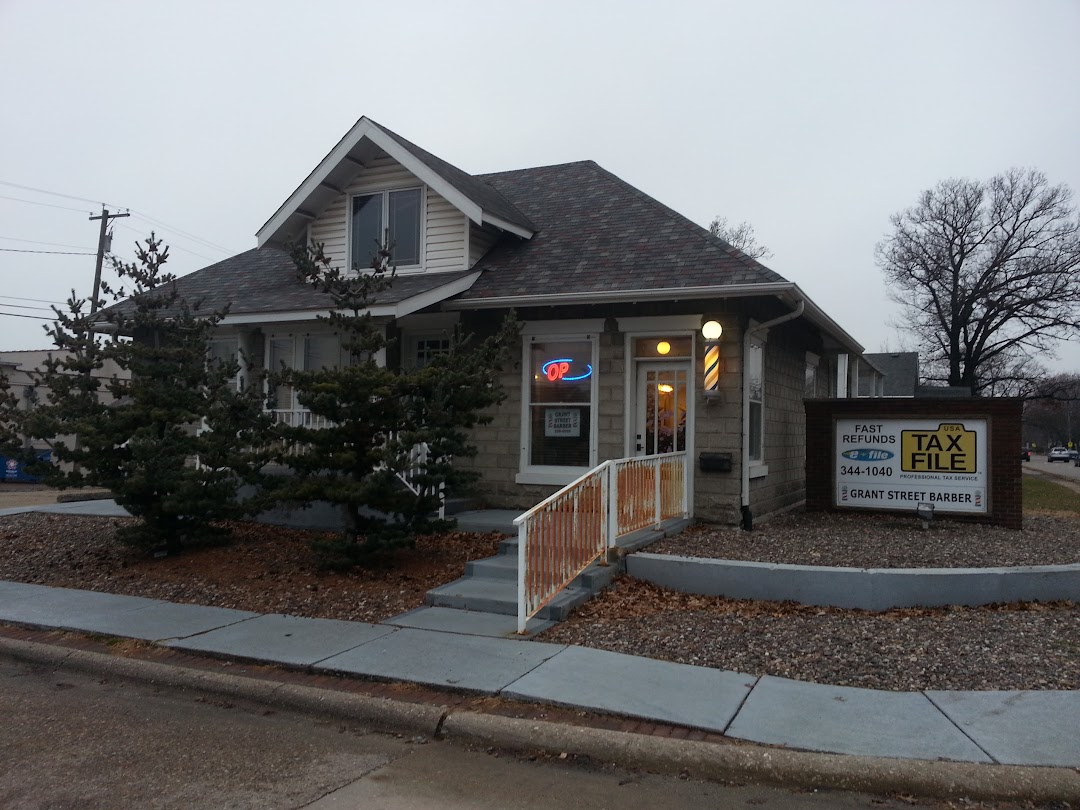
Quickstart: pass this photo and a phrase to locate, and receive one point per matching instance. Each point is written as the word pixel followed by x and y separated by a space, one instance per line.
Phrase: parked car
pixel 1025 454
pixel 1059 454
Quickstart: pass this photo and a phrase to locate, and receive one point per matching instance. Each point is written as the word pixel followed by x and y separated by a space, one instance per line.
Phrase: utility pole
pixel 102 234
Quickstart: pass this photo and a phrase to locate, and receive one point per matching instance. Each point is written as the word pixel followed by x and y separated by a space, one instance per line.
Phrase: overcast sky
pixel 814 121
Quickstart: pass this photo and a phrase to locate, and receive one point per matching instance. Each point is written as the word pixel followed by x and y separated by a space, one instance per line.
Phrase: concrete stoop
pixel 489 586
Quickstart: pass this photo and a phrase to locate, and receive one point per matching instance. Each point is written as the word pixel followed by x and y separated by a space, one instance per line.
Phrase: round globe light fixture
pixel 711 330
pixel 663 347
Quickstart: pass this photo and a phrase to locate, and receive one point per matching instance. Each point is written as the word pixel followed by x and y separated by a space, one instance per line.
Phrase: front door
pixel 661 408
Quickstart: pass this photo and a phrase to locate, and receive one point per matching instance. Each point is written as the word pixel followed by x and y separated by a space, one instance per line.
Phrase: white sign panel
pixel 562 422
pixel 900 463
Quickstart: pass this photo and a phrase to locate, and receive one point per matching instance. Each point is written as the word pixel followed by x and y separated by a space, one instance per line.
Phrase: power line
pixel 54 193
pixel 192 237
pixel 58 252
pixel 38 300
pixel 35 242
pixel 23 306
pixel 171 246
pixel 133 212
pixel 19 315
pixel 47 205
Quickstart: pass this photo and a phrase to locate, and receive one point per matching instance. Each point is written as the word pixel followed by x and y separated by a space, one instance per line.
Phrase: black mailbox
pixel 714 462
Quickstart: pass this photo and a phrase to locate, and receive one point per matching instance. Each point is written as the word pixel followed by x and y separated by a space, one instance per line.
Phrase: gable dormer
pixel 374 181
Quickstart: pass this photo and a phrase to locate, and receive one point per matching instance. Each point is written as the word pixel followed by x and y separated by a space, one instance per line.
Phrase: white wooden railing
pixel 562 535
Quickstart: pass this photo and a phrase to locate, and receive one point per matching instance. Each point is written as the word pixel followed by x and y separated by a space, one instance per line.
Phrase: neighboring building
pixel 18 367
pixel 613 289
pixel 899 372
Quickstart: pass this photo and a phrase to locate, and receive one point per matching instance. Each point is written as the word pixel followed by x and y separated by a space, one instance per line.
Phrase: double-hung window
pixel 560 399
pixel 387 216
pixel 755 370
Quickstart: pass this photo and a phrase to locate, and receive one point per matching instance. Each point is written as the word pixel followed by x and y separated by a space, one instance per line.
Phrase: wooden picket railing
pixel 562 535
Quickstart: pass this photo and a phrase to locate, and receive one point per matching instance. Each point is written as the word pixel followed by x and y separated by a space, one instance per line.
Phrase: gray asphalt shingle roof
pixel 481 193
pixel 597 233
pixel 594 233
pixel 265 280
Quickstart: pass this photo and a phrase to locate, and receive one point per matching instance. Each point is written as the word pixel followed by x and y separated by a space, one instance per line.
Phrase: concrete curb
pixel 704 760
pixel 377 713
pixel 775 766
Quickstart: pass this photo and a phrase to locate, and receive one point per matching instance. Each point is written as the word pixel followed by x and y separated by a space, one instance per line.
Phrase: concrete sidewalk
pixel 1022 728
pixel 1016 728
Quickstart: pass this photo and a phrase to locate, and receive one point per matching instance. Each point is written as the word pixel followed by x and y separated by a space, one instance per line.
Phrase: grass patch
pixel 1041 495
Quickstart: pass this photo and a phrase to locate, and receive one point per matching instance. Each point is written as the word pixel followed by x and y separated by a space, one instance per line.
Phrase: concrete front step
pixel 500 596
pixel 490 585
pixel 487 520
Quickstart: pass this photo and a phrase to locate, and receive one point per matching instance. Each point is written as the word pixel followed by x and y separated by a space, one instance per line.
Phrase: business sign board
pixel 886 463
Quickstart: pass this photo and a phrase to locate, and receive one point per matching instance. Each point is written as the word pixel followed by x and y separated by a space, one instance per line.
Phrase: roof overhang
pixel 398 309
pixel 300 203
pixel 786 291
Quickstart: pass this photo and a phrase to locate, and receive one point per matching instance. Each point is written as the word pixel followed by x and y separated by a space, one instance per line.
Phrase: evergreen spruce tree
pixel 376 424
pixel 177 441
pixel 10 421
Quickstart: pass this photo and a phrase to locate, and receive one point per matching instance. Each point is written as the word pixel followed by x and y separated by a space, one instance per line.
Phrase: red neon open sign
pixel 559 369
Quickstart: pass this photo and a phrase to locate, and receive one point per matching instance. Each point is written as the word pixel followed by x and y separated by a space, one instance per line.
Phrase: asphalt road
pixel 1039 463
pixel 70 741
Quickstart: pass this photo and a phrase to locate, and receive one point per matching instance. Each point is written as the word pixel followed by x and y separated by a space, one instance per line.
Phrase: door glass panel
pixel 663 407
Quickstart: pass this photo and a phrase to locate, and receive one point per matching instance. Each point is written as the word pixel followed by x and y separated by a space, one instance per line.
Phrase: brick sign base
pixel 1003 417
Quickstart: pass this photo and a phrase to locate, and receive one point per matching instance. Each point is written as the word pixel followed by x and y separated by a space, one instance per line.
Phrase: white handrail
pixel 572 529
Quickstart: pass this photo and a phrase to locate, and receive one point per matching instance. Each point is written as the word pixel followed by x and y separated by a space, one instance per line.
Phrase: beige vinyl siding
pixel 444 225
pixel 480 241
pixel 444 244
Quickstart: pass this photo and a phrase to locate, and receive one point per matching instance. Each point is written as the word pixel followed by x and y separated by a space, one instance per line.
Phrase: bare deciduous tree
pixel 989 275
pixel 740 236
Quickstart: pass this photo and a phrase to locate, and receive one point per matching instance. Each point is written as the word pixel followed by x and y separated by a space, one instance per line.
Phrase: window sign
pixel 900 463
pixel 563 422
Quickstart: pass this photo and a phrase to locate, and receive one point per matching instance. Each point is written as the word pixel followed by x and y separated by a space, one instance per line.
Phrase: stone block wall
pixel 785 424
pixel 718 427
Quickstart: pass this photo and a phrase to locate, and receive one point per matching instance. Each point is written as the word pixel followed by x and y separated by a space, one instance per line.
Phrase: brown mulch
pixel 883 541
pixel 266 569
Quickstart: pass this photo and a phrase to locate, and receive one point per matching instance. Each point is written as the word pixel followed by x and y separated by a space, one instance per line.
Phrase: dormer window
pixel 395 214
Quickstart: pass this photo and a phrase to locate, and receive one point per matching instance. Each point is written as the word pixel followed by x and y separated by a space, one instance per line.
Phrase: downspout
pixel 747 516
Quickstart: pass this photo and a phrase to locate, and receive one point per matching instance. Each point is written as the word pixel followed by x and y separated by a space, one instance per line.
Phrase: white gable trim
pixel 364 128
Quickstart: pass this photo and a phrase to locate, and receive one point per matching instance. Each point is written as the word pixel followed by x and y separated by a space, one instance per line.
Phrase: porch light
pixel 711 330
pixel 663 347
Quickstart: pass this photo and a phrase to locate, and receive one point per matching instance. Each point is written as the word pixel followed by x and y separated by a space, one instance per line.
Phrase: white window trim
pixel 551 475
pixel 408 269
pixel 758 468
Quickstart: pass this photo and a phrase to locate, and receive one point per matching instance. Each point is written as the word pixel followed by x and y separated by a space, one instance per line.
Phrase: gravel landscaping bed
pixel 265 569
pixel 1029 646
pixel 883 541
pixel 269 569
